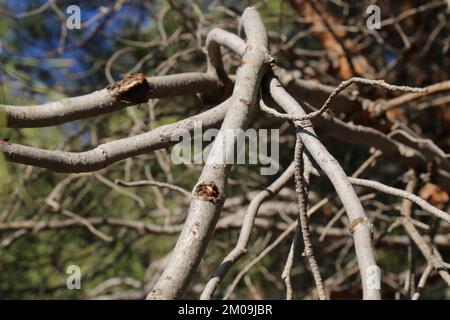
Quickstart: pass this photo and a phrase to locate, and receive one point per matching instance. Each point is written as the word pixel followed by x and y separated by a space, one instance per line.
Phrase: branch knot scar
pixel 207 191
pixel 244 101
pixel 356 223
pixel 132 88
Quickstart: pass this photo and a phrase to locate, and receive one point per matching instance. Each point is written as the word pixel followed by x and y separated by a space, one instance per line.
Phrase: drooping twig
pixel 301 187
pixel 342 86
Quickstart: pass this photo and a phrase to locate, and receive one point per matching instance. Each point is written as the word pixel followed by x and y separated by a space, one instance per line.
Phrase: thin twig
pixel 403 194
pixel 301 187
pixel 141 183
pixel 341 87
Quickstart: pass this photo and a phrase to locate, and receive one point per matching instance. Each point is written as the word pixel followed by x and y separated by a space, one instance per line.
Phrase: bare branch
pixel 403 194
pixel 246 229
pixel 153 183
pixel 301 190
pixel 209 193
pixel 337 176
pixel 341 87
pixel 127 92
pixel 111 152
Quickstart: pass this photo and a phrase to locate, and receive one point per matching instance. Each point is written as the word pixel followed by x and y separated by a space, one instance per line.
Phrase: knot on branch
pixel 132 88
pixel 356 223
pixel 207 191
pixel 245 101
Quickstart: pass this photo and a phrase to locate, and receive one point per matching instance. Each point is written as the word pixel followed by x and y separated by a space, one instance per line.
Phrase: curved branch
pixel 111 152
pixel 335 173
pixel 345 84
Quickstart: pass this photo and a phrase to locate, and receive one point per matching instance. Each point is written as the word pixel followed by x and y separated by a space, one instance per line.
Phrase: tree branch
pixel 111 152
pixel 209 193
pixel 131 90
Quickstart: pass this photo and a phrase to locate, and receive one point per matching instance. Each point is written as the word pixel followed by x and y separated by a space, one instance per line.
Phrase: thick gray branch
pixel 134 90
pixel 246 229
pixel 209 193
pixel 111 152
